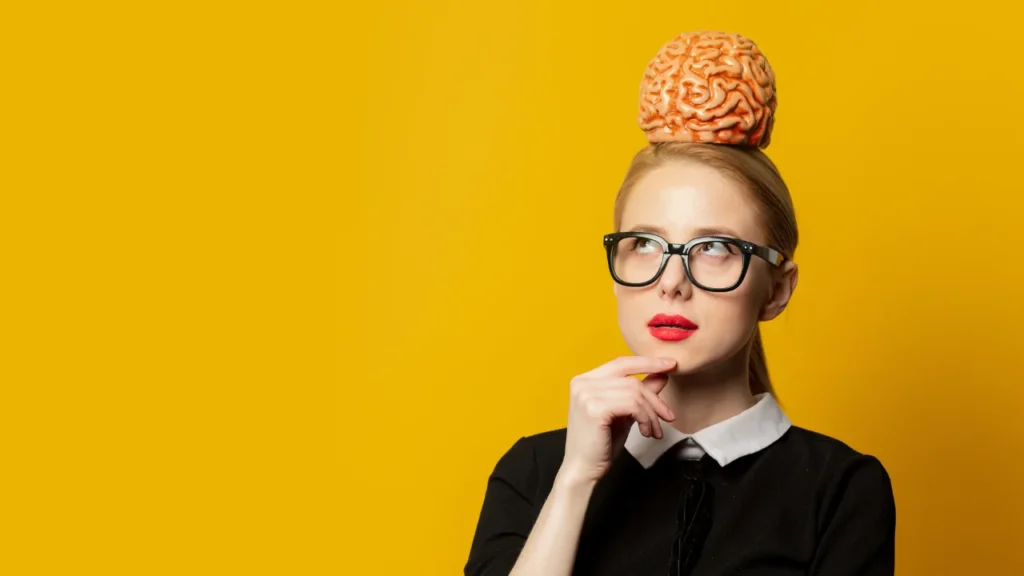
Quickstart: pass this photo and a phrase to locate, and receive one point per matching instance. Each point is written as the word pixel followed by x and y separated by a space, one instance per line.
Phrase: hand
pixel 603 405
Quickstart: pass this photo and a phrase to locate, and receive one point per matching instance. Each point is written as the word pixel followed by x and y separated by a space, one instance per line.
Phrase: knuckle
pixel 579 386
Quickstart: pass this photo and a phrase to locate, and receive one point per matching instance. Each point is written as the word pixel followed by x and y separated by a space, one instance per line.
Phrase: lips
pixel 671 321
pixel 671 328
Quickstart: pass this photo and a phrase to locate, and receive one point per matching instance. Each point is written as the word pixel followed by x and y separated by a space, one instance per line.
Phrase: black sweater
pixel 806 504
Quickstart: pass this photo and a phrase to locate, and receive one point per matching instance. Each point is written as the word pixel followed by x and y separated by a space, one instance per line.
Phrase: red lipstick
pixel 671 328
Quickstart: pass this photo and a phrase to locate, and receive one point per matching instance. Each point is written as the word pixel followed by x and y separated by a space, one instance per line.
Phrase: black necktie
pixel 693 518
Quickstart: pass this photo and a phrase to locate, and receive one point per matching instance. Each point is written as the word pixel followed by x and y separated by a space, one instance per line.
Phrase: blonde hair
pixel 752 169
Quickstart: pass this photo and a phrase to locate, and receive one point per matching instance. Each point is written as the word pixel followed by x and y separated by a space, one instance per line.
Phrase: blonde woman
pixel 694 468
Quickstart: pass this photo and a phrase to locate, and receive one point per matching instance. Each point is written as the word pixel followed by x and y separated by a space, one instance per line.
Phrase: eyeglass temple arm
pixel 773 256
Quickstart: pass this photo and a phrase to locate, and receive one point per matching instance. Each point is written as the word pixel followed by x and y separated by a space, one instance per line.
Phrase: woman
pixel 694 469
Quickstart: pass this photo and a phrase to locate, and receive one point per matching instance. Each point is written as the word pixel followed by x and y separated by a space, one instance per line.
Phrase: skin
pixel 690 384
pixel 680 201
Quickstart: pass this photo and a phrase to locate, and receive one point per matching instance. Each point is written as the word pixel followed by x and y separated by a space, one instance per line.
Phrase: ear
pixel 783 285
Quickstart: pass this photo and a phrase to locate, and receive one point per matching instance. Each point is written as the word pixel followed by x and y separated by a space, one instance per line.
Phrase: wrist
pixel 573 480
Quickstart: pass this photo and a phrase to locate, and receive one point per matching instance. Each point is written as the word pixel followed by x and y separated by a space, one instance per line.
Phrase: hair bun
pixel 710 87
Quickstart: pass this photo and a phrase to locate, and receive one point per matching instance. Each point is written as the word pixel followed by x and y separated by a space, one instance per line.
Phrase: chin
pixel 686 364
pixel 700 353
pixel 689 359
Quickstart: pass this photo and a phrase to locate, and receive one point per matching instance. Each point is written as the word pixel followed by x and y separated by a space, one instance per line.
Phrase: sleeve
pixel 859 530
pixel 508 513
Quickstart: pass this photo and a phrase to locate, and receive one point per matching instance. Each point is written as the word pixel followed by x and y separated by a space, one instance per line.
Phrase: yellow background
pixel 283 281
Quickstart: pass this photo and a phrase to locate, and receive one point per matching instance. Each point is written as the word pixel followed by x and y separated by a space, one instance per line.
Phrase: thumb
pixel 655 382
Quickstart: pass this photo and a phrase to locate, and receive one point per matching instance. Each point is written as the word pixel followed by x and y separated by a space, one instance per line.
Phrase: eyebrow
pixel 705 231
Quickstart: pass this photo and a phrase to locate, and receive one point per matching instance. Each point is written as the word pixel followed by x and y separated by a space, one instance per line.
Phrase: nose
pixel 674 282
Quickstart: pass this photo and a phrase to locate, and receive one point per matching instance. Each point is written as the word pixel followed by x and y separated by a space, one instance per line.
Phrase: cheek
pixel 748 299
pixel 740 308
pixel 730 316
pixel 755 290
pixel 629 311
pixel 625 305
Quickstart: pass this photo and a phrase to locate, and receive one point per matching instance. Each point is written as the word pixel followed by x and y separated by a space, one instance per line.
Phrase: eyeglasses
pixel 712 263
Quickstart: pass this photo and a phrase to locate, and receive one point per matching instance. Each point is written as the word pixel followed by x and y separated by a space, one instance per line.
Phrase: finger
pixel 659 405
pixel 632 365
pixel 655 382
pixel 656 406
pixel 631 403
pixel 652 416
pixel 655 421
pixel 654 424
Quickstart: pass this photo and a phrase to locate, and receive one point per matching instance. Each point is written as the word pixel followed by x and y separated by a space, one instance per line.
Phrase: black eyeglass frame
pixel 747 249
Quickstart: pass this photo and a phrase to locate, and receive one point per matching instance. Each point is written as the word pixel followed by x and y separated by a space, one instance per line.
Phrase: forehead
pixel 681 198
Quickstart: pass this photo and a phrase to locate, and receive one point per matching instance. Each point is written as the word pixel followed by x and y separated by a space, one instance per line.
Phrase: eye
pixel 716 249
pixel 645 246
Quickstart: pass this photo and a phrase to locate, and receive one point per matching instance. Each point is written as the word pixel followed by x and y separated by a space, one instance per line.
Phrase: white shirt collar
pixel 748 432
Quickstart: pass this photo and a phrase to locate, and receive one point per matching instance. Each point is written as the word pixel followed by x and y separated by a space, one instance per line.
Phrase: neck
pixel 702 399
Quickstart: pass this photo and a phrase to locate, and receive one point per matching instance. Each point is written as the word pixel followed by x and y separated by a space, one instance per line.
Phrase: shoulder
pixel 826 453
pixel 824 450
pixel 841 474
pixel 541 449
pixel 829 456
pixel 532 461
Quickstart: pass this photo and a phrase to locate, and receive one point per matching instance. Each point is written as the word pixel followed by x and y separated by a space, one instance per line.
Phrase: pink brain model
pixel 709 87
